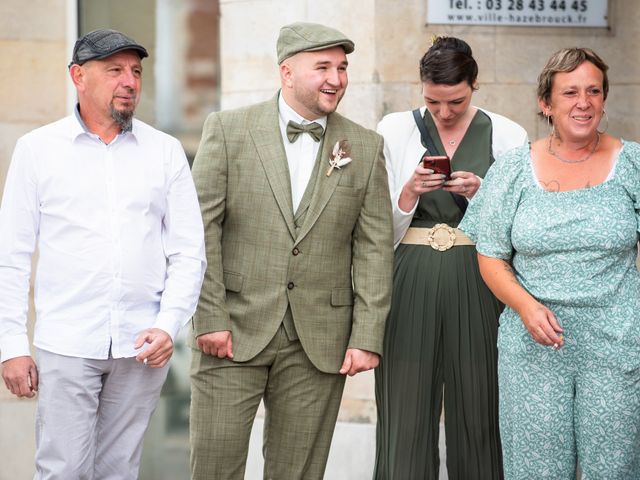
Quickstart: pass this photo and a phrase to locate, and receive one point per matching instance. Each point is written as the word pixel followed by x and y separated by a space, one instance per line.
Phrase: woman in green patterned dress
pixel 440 338
pixel 557 227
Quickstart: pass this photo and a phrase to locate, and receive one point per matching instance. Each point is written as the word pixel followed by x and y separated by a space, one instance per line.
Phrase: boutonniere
pixel 339 157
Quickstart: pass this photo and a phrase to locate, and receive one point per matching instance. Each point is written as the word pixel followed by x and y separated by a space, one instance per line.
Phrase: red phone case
pixel 439 164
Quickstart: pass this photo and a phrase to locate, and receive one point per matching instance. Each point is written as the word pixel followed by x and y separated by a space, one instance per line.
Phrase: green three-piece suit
pixel 295 289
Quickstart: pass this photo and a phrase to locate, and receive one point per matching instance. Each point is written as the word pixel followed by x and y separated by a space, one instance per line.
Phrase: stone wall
pixel 510 59
pixel 391 37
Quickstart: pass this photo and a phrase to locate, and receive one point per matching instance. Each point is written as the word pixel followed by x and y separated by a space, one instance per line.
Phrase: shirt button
pixel 290 285
pixel 295 251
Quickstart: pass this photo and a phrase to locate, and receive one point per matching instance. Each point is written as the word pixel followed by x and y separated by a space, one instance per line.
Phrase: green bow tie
pixel 295 129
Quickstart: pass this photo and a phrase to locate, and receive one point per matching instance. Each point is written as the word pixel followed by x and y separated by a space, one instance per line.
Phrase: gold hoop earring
pixel 606 117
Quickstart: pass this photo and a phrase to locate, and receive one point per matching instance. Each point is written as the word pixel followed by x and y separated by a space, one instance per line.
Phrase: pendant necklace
pixel 579 160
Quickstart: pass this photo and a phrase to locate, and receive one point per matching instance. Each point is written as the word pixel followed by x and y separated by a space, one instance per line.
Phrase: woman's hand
pixel 463 183
pixel 422 181
pixel 542 325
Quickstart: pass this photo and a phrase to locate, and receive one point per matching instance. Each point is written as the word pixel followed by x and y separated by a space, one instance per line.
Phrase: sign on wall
pixel 522 13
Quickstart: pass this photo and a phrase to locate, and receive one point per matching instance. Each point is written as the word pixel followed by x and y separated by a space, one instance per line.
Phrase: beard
pixel 312 101
pixel 122 117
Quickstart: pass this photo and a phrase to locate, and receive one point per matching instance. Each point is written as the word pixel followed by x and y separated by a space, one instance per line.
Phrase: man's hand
pixel 216 344
pixel 160 348
pixel 357 360
pixel 20 375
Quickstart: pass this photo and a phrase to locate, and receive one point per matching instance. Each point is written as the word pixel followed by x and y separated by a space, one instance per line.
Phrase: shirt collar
pixel 80 127
pixel 287 113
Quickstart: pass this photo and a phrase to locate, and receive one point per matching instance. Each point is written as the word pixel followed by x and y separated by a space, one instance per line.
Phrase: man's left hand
pixel 160 348
pixel 357 360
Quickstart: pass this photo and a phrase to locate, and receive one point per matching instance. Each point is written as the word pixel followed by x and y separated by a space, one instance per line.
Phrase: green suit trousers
pixel 301 408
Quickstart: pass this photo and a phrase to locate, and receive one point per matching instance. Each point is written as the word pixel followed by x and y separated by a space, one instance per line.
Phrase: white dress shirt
pixel 301 154
pixel 120 238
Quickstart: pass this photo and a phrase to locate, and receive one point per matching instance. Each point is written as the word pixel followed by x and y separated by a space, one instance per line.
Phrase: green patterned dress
pixel 574 251
pixel 440 340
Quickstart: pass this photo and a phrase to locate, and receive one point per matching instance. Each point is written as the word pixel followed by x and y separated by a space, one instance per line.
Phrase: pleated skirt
pixel 440 341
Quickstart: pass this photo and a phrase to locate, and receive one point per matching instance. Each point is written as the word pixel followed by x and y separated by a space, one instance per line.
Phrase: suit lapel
pixel 325 186
pixel 266 136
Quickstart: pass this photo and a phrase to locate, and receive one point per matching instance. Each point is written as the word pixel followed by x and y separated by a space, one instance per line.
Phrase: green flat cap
pixel 309 37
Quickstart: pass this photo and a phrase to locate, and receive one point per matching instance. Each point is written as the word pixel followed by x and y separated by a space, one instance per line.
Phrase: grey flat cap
pixel 309 37
pixel 103 43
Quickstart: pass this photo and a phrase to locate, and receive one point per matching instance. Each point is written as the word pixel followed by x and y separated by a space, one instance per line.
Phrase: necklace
pixel 452 142
pixel 580 160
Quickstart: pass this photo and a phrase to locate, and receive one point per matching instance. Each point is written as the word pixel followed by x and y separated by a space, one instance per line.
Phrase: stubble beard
pixel 326 111
pixel 313 104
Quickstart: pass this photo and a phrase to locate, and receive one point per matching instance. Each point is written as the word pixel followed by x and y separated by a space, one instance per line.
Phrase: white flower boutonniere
pixel 339 156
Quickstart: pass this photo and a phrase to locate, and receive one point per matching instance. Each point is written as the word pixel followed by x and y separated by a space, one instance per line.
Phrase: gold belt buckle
pixel 442 237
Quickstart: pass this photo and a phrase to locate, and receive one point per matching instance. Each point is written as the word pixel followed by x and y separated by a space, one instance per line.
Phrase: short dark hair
pixel 449 61
pixel 567 60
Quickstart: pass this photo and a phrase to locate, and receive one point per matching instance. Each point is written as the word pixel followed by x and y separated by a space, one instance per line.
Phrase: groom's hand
pixel 357 360
pixel 216 344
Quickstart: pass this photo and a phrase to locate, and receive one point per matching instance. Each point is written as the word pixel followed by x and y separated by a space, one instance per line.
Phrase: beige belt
pixel 441 237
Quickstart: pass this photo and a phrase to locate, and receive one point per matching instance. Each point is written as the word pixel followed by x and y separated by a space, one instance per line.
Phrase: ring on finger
pixel 424 184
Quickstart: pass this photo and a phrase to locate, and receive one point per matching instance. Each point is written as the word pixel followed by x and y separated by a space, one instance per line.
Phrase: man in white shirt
pixel 111 204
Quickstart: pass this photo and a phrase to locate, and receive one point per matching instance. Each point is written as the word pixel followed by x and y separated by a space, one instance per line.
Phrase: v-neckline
pixel 431 123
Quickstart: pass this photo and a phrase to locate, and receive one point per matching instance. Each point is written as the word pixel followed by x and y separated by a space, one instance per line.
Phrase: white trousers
pixel 92 415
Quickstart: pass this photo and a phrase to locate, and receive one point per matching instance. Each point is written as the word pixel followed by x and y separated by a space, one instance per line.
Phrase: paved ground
pixel 166 451
pixel 351 457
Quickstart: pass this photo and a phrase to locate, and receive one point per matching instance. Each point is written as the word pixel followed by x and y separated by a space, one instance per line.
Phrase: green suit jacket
pixel 333 266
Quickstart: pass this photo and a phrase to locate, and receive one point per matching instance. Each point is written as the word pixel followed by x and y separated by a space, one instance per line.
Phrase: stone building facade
pixel 213 54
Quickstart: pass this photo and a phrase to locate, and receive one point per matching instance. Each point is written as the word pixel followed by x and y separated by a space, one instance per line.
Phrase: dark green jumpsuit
pixel 440 339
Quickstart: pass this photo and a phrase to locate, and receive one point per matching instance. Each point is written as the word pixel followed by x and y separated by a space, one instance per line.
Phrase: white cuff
pixel 169 324
pixel 12 346
pixel 402 212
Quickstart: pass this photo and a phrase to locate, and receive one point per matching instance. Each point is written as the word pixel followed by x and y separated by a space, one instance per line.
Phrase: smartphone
pixel 439 164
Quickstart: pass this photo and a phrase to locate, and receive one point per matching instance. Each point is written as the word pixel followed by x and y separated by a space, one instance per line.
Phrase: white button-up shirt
pixel 120 239
pixel 301 154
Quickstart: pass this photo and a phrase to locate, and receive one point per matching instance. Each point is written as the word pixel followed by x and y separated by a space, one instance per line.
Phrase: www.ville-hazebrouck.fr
pixel 517 19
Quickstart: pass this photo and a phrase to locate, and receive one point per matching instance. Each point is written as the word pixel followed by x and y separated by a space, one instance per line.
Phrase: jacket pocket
pixel 341 297
pixel 232 281
pixel 349 190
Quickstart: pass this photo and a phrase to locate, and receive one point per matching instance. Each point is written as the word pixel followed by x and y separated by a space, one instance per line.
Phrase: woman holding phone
pixel 440 339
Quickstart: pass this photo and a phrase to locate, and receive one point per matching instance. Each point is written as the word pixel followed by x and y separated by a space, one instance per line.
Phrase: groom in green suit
pixel 298 236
